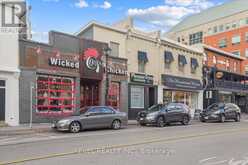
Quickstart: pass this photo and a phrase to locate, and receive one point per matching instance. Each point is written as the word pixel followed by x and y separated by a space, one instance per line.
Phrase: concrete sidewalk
pixel 25 129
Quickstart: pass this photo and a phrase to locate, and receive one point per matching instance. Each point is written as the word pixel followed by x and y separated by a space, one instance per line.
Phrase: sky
pixel 70 15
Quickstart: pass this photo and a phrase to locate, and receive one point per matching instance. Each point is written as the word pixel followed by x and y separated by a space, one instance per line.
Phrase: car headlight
pixel 150 116
pixel 64 121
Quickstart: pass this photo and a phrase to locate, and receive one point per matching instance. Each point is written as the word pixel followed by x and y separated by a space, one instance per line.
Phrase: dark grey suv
pixel 164 114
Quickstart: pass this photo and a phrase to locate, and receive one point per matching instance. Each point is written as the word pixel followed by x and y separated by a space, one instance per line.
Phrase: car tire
pixel 75 127
pixel 222 118
pixel 160 121
pixel 116 124
pixel 142 124
pixel 202 120
pixel 237 119
pixel 185 120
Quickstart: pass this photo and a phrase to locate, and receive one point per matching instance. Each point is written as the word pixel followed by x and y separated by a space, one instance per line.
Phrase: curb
pixel 28 131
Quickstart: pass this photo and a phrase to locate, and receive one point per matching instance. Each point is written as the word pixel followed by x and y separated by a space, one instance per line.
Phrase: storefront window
pixel 114 95
pixel 167 97
pixel 137 97
pixel 188 98
pixel 55 94
pixel 225 98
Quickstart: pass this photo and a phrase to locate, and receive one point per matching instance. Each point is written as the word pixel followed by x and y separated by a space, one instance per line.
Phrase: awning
pixel 194 63
pixel 168 57
pixel 182 60
pixel 142 56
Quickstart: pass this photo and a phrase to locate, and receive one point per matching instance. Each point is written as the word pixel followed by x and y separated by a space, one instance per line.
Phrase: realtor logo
pixel 13 13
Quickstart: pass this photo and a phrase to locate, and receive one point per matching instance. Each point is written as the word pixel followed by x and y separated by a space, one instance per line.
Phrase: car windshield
pixel 215 107
pixel 154 108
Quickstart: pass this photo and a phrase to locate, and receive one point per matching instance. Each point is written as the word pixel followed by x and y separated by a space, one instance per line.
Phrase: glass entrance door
pixel 89 93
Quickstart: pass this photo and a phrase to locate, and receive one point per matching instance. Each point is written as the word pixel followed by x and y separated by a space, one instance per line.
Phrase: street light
pixel 106 51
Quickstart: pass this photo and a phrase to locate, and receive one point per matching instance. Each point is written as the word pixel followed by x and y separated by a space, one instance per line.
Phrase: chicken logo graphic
pixel 91 56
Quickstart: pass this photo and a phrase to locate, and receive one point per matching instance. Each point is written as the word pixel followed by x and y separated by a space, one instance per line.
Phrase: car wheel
pixel 237 119
pixel 160 122
pixel 116 124
pixel 202 120
pixel 75 127
pixel 142 124
pixel 222 118
pixel 185 120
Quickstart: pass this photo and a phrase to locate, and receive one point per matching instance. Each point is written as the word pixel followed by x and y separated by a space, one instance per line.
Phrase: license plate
pixel 206 117
pixel 141 119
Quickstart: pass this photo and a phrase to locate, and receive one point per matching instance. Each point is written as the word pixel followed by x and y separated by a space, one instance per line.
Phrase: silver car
pixel 93 117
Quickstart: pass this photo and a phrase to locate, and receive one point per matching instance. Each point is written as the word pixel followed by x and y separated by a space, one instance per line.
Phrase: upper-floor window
pixel 178 39
pixel 194 65
pixel 195 38
pixel 223 43
pixel 142 60
pixel 182 61
pixel 242 22
pixel 234 24
pixel 215 29
pixel 246 36
pixel 221 28
pixel 214 60
pixel 114 49
pixel 227 64
pixel 236 39
pixel 235 66
pixel 168 58
pixel 210 31
pixel 246 52
pixel 228 26
pixel 236 53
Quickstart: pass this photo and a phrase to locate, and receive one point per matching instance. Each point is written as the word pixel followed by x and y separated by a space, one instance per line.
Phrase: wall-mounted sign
pixel 219 75
pixel 181 82
pixel 63 63
pixel 116 71
pixel 91 57
pixel 141 78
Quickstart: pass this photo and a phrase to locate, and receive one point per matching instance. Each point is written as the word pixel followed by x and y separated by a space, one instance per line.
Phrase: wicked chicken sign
pixel 91 64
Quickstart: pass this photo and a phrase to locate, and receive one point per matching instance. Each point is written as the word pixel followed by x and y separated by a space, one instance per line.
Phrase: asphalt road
pixel 196 144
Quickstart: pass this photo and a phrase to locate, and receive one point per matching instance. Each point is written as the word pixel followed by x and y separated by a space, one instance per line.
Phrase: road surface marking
pixel 207 159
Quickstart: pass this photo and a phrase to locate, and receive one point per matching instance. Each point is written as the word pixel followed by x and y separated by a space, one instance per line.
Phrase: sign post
pixel 31 104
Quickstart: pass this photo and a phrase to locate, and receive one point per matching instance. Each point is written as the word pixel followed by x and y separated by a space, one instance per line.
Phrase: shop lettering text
pixel 63 63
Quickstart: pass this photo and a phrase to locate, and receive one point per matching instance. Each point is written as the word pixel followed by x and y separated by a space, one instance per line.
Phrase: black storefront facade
pixel 184 90
pixel 66 75
pixel 227 87
pixel 142 93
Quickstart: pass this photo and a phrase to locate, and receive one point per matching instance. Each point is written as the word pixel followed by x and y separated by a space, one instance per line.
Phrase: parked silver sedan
pixel 93 117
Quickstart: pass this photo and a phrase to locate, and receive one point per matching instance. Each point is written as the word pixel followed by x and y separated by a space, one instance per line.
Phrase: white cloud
pixel 170 13
pixel 105 5
pixel 81 4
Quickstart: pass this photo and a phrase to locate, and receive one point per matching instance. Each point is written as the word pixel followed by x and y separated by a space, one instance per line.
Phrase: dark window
pixel 142 60
pixel 195 38
pixel 182 60
pixel 2 83
pixel 168 57
pixel 194 65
